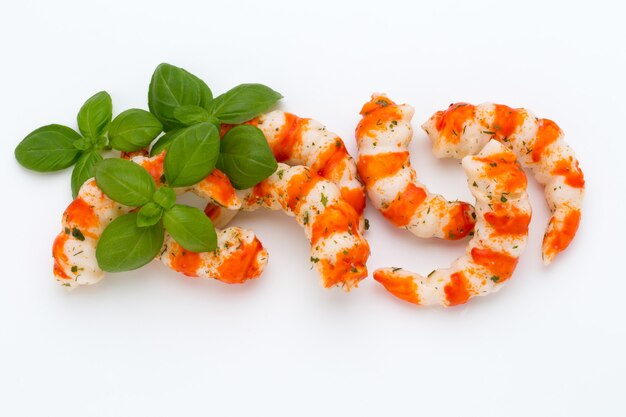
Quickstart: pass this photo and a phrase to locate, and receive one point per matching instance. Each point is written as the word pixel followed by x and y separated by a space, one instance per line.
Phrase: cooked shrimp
pixel 383 136
pixel 239 257
pixel 299 141
pixel 338 249
pixel 503 213
pixel 539 144
pixel 84 220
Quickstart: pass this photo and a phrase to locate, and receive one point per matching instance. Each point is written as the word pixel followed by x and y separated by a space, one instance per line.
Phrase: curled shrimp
pixel 301 141
pixel 503 213
pixel 338 249
pixel 383 136
pixel 240 255
pixel 539 145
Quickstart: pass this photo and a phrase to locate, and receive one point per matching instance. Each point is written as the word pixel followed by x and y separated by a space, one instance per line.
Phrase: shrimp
pixel 338 249
pixel 503 213
pixel 240 255
pixel 383 136
pixel 539 144
pixel 299 141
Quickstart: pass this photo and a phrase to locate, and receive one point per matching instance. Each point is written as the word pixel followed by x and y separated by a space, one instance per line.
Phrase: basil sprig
pixel 181 101
pixel 55 147
pixel 134 239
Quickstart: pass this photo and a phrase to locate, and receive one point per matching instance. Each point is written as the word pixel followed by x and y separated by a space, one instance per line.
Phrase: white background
pixel 151 342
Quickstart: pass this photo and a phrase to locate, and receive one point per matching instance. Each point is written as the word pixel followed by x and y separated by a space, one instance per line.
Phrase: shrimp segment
pixel 338 249
pixel 240 255
pixel 539 144
pixel 300 141
pixel 503 213
pixel 383 136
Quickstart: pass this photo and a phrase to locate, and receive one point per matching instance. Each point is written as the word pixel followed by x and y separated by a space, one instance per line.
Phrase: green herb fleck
pixel 78 234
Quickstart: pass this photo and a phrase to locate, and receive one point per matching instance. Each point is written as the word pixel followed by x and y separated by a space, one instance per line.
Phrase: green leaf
pixel 192 155
pixel 164 142
pixel 134 129
pixel 191 228
pixel 125 182
pixel 49 148
pixel 172 87
pixel 190 115
pixel 95 114
pixel 243 103
pixel 84 169
pixel 149 214
pixel 124 246
pixel 164 197
pixel 246 157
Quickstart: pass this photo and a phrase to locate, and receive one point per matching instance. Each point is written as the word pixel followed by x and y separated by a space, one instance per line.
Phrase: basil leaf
pixel 49 148
pixel 246 157
pixel 133 129
pixel 243 103
pixel 95 114
pixel 164 197
pixel 172 87
pixel 191 228
pixel 124 246
pixel 125 181
pixel 192 155
pixel 84 169
pixel 149 214
pixel 164 142
pixel 190 115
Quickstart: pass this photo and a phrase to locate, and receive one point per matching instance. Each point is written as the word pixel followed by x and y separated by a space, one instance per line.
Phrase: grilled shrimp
pixel 383 136
pixel 503 213
pixel 240 255
pixel 299 141
pixel 338 249
pixel 539 144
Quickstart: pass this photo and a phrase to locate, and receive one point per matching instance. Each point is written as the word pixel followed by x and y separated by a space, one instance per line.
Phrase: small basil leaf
pixel 164 142
pixel 191 228
pixel 190 115
pixel 243 103
pixel 84 169
pixel 192 155
pixel 164 197
pixel 49 148
pixel 246 157
pixel 125 182
pixel 172 87
pixel 124 246
pixel 133 129
pixel 149 214
pixel 95 114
